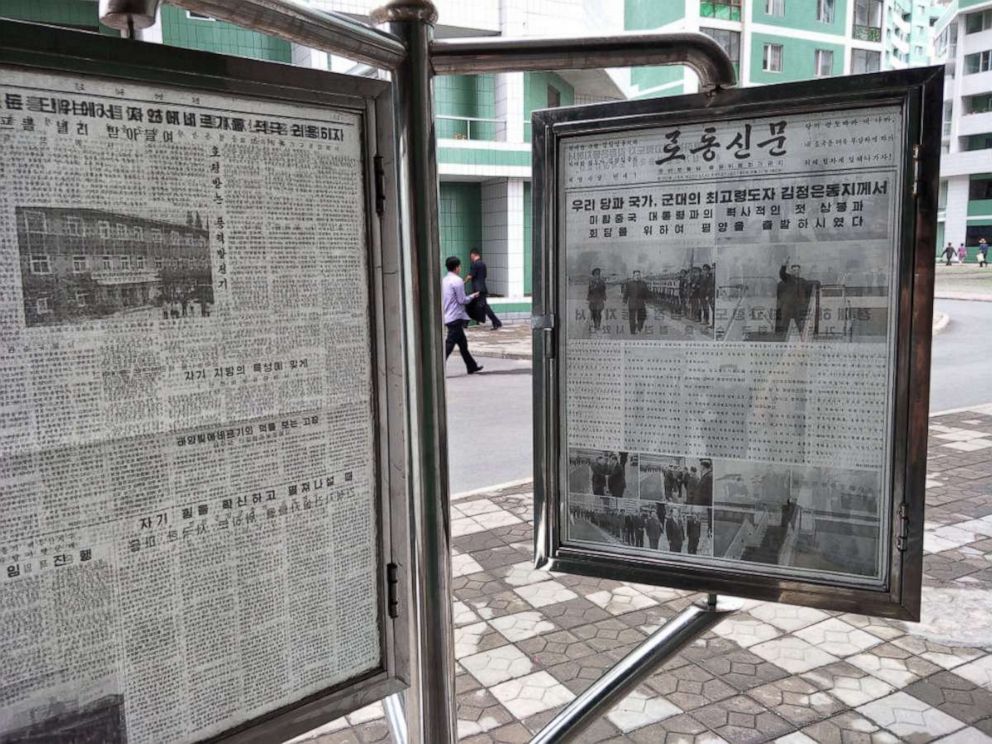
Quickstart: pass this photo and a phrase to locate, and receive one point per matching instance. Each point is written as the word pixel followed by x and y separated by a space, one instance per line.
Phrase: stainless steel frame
pixel 637 666
pixel 919 92
pixel 41 48
pixel 485 54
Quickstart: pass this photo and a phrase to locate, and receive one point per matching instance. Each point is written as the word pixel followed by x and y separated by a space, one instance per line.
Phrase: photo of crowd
pixel 602 473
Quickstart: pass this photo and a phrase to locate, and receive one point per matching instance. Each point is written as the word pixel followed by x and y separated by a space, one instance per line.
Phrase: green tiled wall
pixel 460 218
pixel 528 241
pixel 483 156
pixel 802 16
pixel 81 14
pixel 536 86
pixel 798 58
pixel 465 95
pixel 218 36
pixel 647 15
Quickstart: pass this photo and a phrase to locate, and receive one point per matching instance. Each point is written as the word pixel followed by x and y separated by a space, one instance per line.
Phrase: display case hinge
pixel 393 590
pixel 380 185
pixel 903 528
pixel 545 325
pixel 916 170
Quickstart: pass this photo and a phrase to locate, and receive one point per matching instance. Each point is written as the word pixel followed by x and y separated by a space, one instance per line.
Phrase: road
pixel 960 372
pixel 489 415
pixel 489 423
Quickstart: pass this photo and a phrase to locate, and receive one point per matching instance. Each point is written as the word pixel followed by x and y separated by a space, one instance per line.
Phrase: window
pixel 74 226
pixel 159 262
pixel 977 62
pixel 727 10
pixel 198 16
pixel 825 10
pixel 82 299
pixel 775 7
pixel 948 112
pixel 139 262
pixel 730 41
pixel 156 235
pixel 824 62
pixel 137 233
pixel 977 22
pixel 104 229
pixel 108 262
pixel 863 61
pixel 124 262
pixel 35 222
pixel 175 238
pixel 980 104
pixel 78 264
pixel 980 142
pixel 121 232
pixel 554 97
pixel 772 59
pixel 41 305
pixel 868 13
pixel 40 264
pixel 918 50
pixel 980 187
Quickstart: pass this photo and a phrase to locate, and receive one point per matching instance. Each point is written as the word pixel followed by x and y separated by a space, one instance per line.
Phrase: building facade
pixel 86 264
pixel 963 41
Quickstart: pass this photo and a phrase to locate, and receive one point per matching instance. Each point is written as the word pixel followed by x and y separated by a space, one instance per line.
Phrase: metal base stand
pixel 634 668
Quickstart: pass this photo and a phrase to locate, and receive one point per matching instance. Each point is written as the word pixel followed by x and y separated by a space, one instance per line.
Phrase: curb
pixel 490 489
pixel 940 321
pixel 962 296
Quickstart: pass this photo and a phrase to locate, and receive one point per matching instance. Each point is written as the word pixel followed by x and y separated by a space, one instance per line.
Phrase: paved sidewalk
pixel 528 641
pixel 512 341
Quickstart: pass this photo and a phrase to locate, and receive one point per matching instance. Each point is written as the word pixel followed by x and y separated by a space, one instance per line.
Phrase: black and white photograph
pixel 816 518
pixel 72 721
pixel 803 293
pixel 603 473
pixel 81 265
pixel 676 480
pixel 655 293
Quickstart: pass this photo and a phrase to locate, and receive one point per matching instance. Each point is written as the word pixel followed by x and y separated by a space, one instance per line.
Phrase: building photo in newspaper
pixel 88 264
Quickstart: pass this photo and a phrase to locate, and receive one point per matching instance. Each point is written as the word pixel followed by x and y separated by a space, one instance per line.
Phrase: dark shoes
pixel 473 371
pixel 497 326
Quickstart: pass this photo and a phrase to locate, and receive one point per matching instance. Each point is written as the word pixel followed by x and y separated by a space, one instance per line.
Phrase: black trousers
pixel 456 337
pixel 490 314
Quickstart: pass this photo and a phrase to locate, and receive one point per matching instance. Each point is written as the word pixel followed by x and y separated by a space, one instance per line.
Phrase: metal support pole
pixel 495 54
pixel 431 705
pixel 634 668
pixel 396 718
pixel 289 20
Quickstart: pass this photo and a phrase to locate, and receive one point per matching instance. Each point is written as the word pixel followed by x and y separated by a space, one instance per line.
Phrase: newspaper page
pixel 729 315
pixel 188 519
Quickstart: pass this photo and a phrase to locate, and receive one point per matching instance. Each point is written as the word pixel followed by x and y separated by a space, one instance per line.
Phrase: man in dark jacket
pixel 596 297
pixel 477 275
pixel 635 294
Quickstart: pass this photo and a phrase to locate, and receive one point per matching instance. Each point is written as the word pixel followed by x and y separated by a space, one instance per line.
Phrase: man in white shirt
pixel 453 302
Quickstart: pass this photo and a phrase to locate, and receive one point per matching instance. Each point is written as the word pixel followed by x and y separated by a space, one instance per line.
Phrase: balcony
pixel 977 123
pixel 963 163
pixel 867 33
pixel 468 127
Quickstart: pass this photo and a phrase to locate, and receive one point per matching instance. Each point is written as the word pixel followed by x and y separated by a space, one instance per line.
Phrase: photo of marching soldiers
pixel 668 508
pixel 658 293
pixel 803 293
pixel 821 519
pixel 87 264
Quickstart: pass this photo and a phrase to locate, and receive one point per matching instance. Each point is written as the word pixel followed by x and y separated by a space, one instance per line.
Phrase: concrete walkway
pixel 528 641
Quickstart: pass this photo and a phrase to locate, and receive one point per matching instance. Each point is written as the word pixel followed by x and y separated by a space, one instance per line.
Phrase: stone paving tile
pixel 966 736
pixel 746 631
pixel 545 593
pixel 793 654
pixel 578 674
pixel 608 634
pixel 837 637
pixel 522 625
pixel 849 728
pixel 641 708
pixel 471 639
pixel 550 649
pixel 532 694
pixel 940 654
pixel 797 701
pixel 690 686
pixel 909 718
pixel 895 665
pixel 682 729
pixel 742 669
pixel 741 720
pixel 479 711
pixel 497 664
pixel 954 695
pixel 497 605
pixel 850 685
pixel 573 612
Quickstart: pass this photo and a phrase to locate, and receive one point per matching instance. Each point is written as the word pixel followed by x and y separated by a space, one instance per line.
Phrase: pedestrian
pixel 948 254
pixel 596 297
pixel 635 294
pixel 617 477
pixel 962 253
pixel 477 275
pixel 983 253
pixel 453 302
pixel 709 294
pixel 674 531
